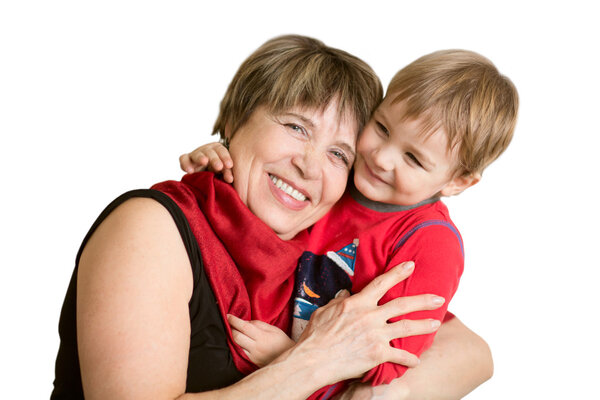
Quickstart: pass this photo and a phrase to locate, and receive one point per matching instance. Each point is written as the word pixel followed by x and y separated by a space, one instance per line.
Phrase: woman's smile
pixel 285 189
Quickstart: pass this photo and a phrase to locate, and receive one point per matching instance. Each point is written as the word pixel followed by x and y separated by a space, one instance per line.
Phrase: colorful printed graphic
pixel 319 278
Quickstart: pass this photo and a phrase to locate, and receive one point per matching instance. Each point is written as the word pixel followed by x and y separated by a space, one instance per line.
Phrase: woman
pixel 161 269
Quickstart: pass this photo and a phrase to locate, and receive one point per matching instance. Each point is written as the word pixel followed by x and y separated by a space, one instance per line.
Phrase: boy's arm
pixel 437 252
pixel 212 156
pixel 457 363
pixel 261 342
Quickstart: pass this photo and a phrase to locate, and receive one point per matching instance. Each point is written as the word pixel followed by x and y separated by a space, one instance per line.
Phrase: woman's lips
pixel 288 195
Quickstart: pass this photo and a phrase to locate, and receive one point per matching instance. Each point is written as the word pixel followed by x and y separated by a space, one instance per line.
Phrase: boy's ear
pixel 460 183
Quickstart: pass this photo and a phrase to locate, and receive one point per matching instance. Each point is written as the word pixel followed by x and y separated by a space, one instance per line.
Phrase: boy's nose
pixel 383 158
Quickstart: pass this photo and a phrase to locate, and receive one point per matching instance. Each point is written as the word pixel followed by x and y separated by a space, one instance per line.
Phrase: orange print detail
pixel 309 292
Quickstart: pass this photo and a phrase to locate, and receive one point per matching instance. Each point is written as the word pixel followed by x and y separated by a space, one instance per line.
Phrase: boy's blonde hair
pixel 294 70
pixel 463 93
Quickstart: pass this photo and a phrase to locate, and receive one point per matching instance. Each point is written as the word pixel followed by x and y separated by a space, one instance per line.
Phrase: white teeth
pixel 287 188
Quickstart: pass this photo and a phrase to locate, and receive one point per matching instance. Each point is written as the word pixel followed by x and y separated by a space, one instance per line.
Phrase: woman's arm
pixel 457 362
pixel 133 288
pixel 134 285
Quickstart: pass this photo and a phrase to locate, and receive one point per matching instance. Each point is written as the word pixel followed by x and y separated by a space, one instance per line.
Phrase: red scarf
pixel 250 269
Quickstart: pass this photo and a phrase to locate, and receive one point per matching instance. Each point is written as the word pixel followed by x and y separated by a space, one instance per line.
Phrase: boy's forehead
pixel 425 122
pixel 425 131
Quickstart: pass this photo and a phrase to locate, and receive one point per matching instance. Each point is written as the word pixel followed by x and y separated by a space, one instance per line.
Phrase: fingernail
pixel 438 301
pixel 435 324
pixel 408 265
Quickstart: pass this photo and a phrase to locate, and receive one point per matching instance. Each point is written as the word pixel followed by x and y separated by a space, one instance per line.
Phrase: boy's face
pixel 397 164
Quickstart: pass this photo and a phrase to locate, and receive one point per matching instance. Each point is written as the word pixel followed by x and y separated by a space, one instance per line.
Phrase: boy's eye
pixel 382 129
pixel 414 159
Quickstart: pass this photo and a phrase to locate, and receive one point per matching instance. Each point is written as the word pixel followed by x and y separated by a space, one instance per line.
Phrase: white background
pixel 100 97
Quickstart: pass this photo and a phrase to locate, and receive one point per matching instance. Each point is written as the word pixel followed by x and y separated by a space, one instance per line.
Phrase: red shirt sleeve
pixel 438 256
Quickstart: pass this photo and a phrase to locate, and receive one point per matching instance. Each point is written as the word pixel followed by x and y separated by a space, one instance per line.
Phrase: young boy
pixel 444 119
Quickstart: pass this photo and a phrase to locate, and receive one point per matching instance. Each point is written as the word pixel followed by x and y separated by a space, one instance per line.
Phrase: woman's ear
pixel 460 183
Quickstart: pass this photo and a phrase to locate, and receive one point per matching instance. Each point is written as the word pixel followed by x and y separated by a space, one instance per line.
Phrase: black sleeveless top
pixel 210 364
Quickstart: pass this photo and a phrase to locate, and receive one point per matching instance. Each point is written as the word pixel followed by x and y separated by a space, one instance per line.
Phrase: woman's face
pixel 292 167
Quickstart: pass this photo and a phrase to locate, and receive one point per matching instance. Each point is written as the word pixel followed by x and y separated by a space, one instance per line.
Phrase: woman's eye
pixel 414 159
pixel 341 156
pixel 296 128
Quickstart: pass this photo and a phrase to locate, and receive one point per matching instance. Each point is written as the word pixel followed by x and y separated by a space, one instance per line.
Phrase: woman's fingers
pixel 380 285
pixel 402 357
pixel 407 327
pixel 405 305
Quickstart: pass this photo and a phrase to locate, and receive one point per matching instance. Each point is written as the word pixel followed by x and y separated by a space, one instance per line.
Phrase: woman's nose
pixel 308 164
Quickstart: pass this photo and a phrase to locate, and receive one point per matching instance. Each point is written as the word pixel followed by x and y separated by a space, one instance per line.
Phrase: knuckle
pixel 317 313
pixel 347 305
pixel 405 358
pixel 401 305
pixel 404 327
pixel 378 351
pixel 379 282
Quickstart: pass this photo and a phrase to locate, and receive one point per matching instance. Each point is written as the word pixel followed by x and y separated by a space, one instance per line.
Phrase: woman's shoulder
pixel 138 235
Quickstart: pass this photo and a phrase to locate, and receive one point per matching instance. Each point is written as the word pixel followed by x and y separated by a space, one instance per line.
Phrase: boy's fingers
pixel 228 175
pixel 223 154
pixel 241 340
pixel 260 324
pixel 236 322
pixel 198 157
pixel 185 163
pixel 244 327
pixel 380 285
pixel 214 160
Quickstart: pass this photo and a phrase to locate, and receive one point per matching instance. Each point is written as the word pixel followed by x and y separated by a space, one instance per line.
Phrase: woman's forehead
pixel 331 111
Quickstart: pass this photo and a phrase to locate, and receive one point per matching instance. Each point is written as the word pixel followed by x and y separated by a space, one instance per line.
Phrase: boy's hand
pixel 213 156
pixel 261 342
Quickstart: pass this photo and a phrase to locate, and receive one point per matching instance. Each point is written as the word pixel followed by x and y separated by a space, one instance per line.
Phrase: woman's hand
pixel 457 362
pixel 352 335
pixel 212 156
